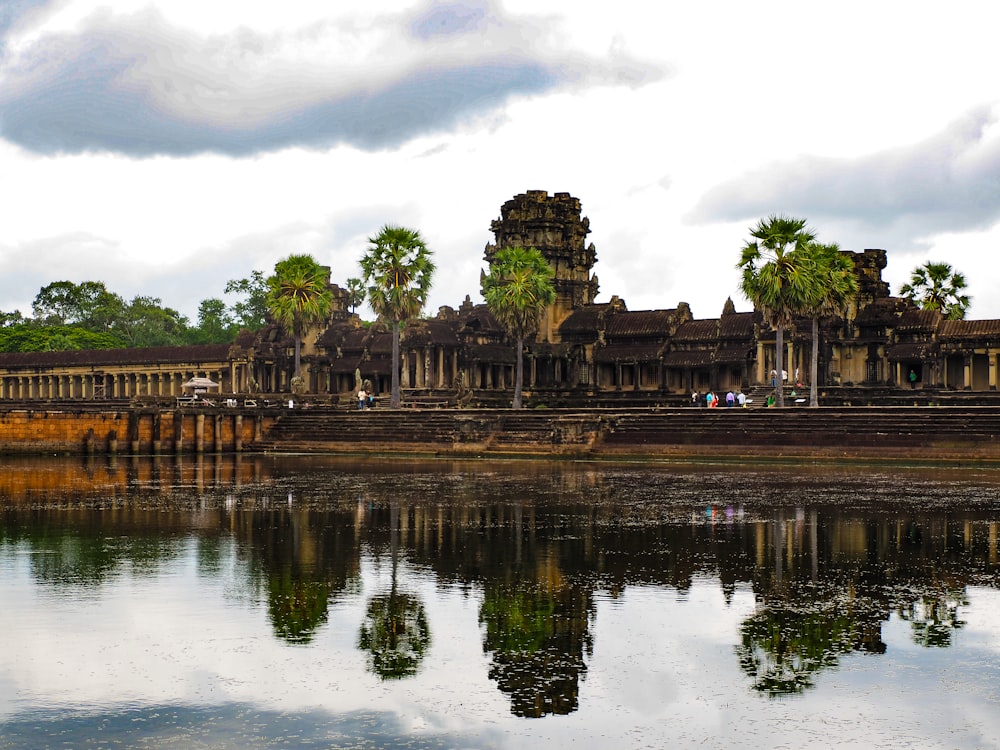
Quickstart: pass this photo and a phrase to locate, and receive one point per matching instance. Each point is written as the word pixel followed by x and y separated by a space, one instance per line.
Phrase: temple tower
pixel 553 224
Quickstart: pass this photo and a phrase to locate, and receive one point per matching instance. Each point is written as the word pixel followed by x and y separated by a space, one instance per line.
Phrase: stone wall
pixel 150 431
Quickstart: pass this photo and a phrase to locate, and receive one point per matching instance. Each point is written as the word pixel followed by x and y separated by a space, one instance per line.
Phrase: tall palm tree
pixel 355 293
pixel 935 286
pixel 298 297
pixel 517 288
pixel 836 285
pixel 777 277
pixel 397 270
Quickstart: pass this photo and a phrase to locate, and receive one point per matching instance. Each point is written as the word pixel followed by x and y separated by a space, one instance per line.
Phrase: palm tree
pixel 397 270
pixel 777 277
pixel 517 288
pixel 355 293
pixel 935 286
pixel 836 285
pixel 299 296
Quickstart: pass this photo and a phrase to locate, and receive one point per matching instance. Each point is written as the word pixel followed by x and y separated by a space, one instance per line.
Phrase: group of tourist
pixel 712 400
pixel 365 400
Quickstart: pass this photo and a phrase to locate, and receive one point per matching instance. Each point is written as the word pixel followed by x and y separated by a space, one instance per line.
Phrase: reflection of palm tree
pixel 934 616
pixel 304 565
pixel 297 607
pixel 538 637
pixel 783 647
pixel 395 632
pixel 396 635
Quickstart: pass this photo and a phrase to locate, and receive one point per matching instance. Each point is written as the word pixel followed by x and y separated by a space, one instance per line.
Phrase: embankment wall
pixel 128 430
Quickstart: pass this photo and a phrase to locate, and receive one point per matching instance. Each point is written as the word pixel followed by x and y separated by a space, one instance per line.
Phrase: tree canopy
pixel 835 285
pixel 778 277
pixel 397 271
pixel 936 286
pixel 517 289
pixel 299 297
pixel 88 315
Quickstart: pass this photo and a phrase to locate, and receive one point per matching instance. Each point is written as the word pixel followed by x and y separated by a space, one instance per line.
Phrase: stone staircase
pixel 898 432
pixel 850 428
pixel 430 431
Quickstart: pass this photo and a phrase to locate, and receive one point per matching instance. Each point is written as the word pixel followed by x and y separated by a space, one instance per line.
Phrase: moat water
pixel 289 602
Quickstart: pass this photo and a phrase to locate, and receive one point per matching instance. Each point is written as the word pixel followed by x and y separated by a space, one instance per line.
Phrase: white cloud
pixel 306 125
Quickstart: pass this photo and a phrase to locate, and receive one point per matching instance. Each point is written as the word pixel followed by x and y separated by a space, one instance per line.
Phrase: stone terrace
pixel 904 433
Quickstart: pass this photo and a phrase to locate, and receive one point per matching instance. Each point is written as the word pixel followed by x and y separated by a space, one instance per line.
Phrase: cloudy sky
pixel 167 146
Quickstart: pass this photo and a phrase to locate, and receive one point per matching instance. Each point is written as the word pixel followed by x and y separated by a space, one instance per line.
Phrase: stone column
pixel 967 367
pixel 992 359
pixel 440 367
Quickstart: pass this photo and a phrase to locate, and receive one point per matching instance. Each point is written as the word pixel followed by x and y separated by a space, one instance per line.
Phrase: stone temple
pixel 585 352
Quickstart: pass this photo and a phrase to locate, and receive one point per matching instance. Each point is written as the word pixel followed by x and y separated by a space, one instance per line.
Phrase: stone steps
pixel 651 430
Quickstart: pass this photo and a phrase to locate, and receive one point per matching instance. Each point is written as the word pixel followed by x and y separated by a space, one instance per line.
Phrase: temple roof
pixel 586 320
pixel 915 320
pixel 195 354
pixel 698 330
pixel 732 355
pixel 642 324
pixel 969 329
pixel 884 311
pixel 694 358
pixel 431 332
pixel 922 351
pixel 738 325
pixel 493 354
pixel 481 319
pixel 628 353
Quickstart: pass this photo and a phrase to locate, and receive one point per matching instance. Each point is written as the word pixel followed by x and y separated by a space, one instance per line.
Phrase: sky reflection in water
pixel 330 603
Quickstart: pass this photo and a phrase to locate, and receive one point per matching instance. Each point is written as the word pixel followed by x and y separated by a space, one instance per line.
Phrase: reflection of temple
pixel 534 548
pixel 583 348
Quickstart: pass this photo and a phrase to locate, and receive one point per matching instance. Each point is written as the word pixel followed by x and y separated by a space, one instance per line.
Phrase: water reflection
pixel 395 632
pixel 827 560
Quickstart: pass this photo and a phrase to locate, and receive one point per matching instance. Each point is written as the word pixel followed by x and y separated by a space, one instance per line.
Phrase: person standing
pixel 913 379
pixel 362 397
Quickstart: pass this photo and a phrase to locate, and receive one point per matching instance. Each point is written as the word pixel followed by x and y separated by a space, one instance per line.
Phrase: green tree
pixel 215 323
pixel 250 310
pixel 777 277
pixel 28 337
pixel 299 297
pixel 8 319
pixel 355 293
pixel 89 305
pixel 836 285
pixel 397 271
pixel 517 289
pixel 936 286
pixel 145 322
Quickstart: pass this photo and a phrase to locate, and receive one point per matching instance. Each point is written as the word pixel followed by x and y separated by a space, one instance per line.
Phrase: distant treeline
pixel 65 315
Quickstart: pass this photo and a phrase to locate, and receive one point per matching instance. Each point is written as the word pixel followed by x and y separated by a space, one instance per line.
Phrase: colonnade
pixel 104 385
